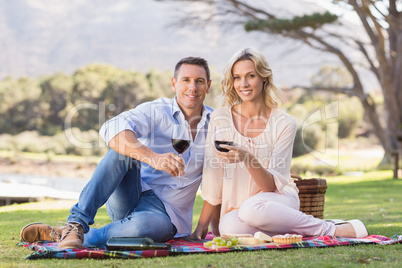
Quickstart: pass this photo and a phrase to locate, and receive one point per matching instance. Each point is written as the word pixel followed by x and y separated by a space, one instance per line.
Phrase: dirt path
pixel 48 169
pixel 85 170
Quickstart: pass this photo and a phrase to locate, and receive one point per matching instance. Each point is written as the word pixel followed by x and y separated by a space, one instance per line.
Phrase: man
pixel 138 177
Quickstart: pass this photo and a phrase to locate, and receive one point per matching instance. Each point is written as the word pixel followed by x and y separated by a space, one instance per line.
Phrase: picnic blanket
pixel 182 246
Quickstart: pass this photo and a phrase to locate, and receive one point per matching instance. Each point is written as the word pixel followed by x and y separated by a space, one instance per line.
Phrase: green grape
pixel 208 244
pixel 223 243
pixel 229 243
pixel 217 239
pixel 234 240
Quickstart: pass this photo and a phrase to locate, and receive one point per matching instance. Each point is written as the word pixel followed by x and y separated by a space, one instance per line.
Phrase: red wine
pixel 219 148
pixel 180 145
pixel 134 243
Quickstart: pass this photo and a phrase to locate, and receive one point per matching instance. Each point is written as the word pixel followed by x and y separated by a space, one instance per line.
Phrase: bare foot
pixel 345 230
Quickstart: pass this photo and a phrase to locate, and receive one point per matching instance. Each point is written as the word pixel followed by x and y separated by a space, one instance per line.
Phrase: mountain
pixel 41 37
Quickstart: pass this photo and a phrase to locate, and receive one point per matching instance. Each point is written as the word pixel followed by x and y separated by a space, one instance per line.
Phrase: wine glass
pixel 222 136
pixel 180 142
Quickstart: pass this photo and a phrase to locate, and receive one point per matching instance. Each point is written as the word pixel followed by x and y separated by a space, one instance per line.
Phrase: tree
pixel 380 48
pixel 55 97
pixel 125 91
pixel 19 105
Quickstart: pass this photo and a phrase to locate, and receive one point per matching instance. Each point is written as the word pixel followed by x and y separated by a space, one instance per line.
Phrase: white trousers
pixel 273 214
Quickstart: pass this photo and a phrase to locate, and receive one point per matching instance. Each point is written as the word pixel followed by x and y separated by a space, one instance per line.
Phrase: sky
pixel 41 37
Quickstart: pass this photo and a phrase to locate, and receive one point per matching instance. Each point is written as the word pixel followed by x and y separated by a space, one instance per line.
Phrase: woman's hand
pixel 262 177
pixel 199 233
pixel 207 213
pixel 235 154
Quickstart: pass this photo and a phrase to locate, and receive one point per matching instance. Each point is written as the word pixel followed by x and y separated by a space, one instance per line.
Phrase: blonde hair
pixel 271 93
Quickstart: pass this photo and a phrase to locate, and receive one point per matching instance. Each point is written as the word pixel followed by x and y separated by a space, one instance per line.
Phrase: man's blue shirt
pixel 152 123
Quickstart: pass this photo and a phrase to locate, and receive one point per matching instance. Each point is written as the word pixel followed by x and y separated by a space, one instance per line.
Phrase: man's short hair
pixel 193 61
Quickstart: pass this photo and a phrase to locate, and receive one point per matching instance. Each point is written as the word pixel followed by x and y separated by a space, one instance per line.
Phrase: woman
pixel 259 194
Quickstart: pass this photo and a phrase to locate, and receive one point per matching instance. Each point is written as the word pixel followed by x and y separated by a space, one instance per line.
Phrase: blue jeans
pixel 117 182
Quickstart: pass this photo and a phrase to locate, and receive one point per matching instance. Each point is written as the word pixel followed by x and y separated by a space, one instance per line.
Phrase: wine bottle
pixel 134 243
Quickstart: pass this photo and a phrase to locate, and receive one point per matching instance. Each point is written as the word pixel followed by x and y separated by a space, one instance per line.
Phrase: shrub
pixel 350 115
pixel 309 137
pixel 56 146
pixel 7 143
pixel 84 143
pixel 309 170
pixel 30 141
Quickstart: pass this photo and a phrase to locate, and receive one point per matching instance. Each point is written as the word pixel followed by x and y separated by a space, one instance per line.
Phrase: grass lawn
pixel 374 198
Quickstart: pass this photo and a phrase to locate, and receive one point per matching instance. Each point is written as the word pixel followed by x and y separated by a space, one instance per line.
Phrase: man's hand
pixel 126 143
pixel 169 162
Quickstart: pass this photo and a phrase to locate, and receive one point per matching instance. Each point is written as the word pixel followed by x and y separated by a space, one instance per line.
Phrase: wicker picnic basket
pixel 311 195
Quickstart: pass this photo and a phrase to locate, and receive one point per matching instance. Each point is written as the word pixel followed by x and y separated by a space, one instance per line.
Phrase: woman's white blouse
pixel 273 147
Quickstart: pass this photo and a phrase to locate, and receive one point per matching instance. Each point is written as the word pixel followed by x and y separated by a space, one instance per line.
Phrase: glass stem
pixel 178 178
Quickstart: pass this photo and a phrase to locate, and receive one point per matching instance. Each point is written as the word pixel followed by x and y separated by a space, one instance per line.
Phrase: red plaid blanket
pixel 181 246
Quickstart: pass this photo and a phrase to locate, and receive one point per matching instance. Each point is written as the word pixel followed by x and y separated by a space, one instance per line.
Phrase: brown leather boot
pixel 37 231
pixel 72 236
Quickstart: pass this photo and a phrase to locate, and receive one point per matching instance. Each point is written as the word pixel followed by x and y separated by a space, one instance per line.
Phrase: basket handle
pixel 294 176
